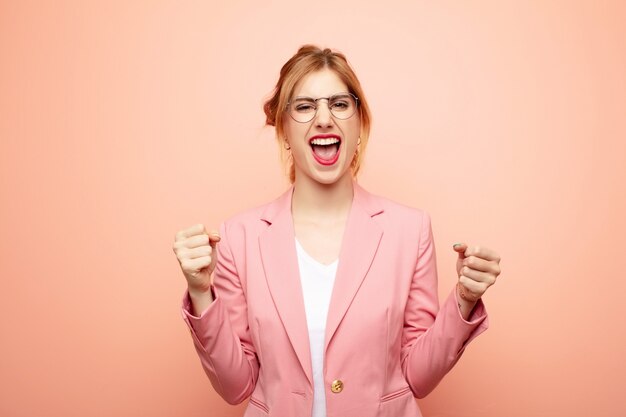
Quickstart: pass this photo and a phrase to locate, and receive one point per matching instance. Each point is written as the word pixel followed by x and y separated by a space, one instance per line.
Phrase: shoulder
pixel 248 219
pixel 401 222
pixel 394 211
pixel 258 217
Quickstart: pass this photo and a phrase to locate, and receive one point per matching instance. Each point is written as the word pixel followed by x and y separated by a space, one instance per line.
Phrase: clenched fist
pixel 196 251
pixel 477 268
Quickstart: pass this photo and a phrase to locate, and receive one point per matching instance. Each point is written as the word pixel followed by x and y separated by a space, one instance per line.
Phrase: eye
pixel 304 107
pixel 340 104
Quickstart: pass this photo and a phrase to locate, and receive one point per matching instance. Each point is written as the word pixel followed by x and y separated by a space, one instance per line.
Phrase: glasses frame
pixel 315 100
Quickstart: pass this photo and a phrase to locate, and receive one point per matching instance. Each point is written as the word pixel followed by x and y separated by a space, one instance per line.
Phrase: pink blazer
pixel 386 339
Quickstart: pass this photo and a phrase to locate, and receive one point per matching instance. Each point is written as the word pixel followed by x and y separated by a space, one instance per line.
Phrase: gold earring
pixel 358 142
pixel 287 146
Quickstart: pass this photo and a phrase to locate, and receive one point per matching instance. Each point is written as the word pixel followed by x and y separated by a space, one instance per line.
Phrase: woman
pixel 324 301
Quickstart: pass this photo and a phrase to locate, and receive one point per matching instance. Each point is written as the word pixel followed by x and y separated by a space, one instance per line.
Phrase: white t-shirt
pixel 317 286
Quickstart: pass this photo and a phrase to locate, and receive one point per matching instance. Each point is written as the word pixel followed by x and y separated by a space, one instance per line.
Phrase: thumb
pixel 214 237
pixel 460 248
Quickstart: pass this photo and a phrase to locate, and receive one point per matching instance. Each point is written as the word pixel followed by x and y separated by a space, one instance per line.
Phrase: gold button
pixel 336 386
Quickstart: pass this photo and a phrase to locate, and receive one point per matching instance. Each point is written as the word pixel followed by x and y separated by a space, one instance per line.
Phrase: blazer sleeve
pixel 433 340
pixel 221 334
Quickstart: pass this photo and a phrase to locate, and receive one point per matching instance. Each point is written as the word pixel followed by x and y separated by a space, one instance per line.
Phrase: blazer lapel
pixel 280 262
pixel 360 242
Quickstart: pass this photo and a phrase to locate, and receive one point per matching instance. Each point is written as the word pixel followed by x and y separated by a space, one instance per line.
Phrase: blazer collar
pixel 368 202
pixel 361 238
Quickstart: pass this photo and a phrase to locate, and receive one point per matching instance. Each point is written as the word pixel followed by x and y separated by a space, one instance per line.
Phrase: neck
pixel 321 202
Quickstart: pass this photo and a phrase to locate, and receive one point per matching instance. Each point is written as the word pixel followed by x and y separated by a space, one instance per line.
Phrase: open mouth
pixel 325 148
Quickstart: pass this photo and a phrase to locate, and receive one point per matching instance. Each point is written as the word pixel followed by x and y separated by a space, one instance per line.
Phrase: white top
pixel 317 286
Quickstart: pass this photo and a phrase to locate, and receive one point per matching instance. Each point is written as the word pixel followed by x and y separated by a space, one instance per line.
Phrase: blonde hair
pixel 308 59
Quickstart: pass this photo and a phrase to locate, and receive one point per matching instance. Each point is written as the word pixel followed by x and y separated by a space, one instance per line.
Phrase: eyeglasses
pixel 341 105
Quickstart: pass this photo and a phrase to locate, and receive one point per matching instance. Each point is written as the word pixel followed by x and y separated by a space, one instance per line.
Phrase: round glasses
pixel 341 105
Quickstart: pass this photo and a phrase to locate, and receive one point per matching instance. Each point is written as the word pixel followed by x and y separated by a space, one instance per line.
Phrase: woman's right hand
pixel 196 251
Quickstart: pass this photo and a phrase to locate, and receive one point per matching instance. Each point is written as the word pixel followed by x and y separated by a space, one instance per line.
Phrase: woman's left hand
pixel 477 268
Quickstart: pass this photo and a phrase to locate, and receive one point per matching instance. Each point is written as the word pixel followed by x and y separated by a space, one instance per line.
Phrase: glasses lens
pixel 303 109
pixel 342 106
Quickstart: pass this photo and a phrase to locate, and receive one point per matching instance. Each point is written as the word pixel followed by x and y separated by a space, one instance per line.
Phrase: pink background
pixel 123 122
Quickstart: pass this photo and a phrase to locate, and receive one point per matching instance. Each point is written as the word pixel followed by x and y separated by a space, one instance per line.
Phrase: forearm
pixel 431 354
pixel 227 355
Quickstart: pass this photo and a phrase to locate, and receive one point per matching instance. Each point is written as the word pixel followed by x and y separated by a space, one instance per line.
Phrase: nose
pixel 324 117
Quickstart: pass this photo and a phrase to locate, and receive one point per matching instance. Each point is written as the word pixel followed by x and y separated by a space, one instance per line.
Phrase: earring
pixel 287 146
pixel 358 142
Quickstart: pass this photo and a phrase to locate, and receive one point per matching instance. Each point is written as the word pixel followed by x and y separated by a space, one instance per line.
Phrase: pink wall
pixel 123 122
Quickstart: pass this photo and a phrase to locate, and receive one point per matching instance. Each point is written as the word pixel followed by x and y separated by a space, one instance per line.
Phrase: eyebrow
pixel 312 99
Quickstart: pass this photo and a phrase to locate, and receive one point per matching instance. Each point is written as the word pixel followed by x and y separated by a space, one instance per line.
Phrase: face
pixel 324 147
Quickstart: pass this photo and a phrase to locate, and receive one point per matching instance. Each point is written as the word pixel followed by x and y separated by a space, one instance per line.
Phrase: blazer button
pixel 336 386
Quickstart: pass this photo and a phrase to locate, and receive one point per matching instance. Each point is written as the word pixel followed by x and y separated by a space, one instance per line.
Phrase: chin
pixel 326 177
pixel 329 178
